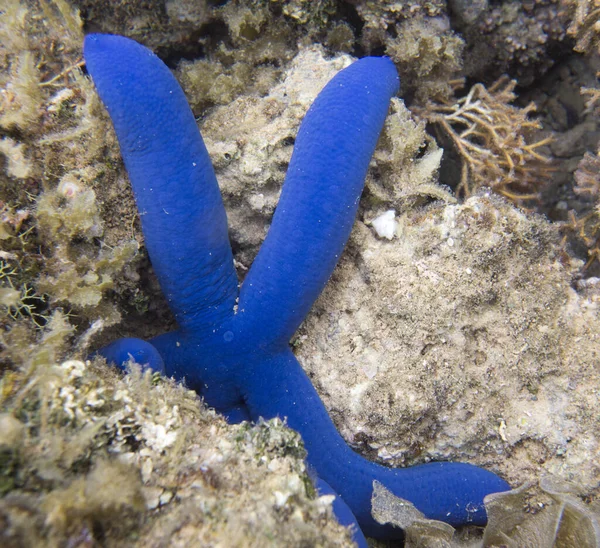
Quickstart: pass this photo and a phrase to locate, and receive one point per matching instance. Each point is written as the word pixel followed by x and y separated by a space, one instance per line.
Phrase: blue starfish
pixel 232 346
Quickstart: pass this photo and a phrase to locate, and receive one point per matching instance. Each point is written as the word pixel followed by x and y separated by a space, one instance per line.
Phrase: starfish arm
pixel 319 199
pixel 451 492
pixel 198 363
pixel 188 360
pixel 121 351
pixel 183 218
pixel 237 414
pixel 342 512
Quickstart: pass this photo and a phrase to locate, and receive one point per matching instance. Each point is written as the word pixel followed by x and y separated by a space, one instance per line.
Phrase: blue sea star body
pixel 232 346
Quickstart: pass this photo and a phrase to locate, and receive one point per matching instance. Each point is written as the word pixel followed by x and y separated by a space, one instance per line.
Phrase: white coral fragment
pixel 385 225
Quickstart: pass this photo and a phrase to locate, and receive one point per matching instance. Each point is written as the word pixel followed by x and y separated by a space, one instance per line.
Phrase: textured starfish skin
pixel 238 359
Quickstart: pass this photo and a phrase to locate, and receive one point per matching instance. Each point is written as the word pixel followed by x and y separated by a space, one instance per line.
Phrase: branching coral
pixel 592 95
pixel 585 223
pixel 587 185
pixel 494 141
pixel 585 24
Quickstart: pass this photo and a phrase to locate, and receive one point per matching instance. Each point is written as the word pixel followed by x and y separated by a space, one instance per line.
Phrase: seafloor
pixel 470 333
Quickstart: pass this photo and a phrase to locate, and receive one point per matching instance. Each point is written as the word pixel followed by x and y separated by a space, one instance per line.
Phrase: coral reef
pixel 585 223
pixel 249 63
pixel 555 517
pixel 429 55
pixel 581 201
pixel 560 520
pixel 250 162
pixel 472 333
pixel 166 25
pixel 385 14
pixel 250 142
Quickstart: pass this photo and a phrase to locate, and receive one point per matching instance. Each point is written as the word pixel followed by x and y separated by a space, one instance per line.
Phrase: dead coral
pixel 418 37
pixel 77 274
pixel 587 176
pixel 462 338
pixel 494 141
pixel 18 301
pixel 405 165
pixel 584 223
pixel 21 97
pixel 305 12
pixel 250 142
pixel 428 55
pixel 340 38
pixel 90 456
pixel 249 62
pixel 592 103
pixel 545 516
pixel 510 36
pixel 383 14
pixel 162 25
pixel 90 503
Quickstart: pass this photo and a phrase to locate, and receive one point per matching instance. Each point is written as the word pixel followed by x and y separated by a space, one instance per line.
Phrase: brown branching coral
pixel 592 95
pixel 585 222
pixel 585 24
pixel 493 140
pixel 587 185
pixel 587 176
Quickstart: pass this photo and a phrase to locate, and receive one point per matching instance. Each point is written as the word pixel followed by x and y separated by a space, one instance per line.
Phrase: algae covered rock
pixel 87 453
pixel 463 334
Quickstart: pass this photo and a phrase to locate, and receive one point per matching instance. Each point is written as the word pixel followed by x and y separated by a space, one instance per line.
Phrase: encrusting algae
pixel 90 453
